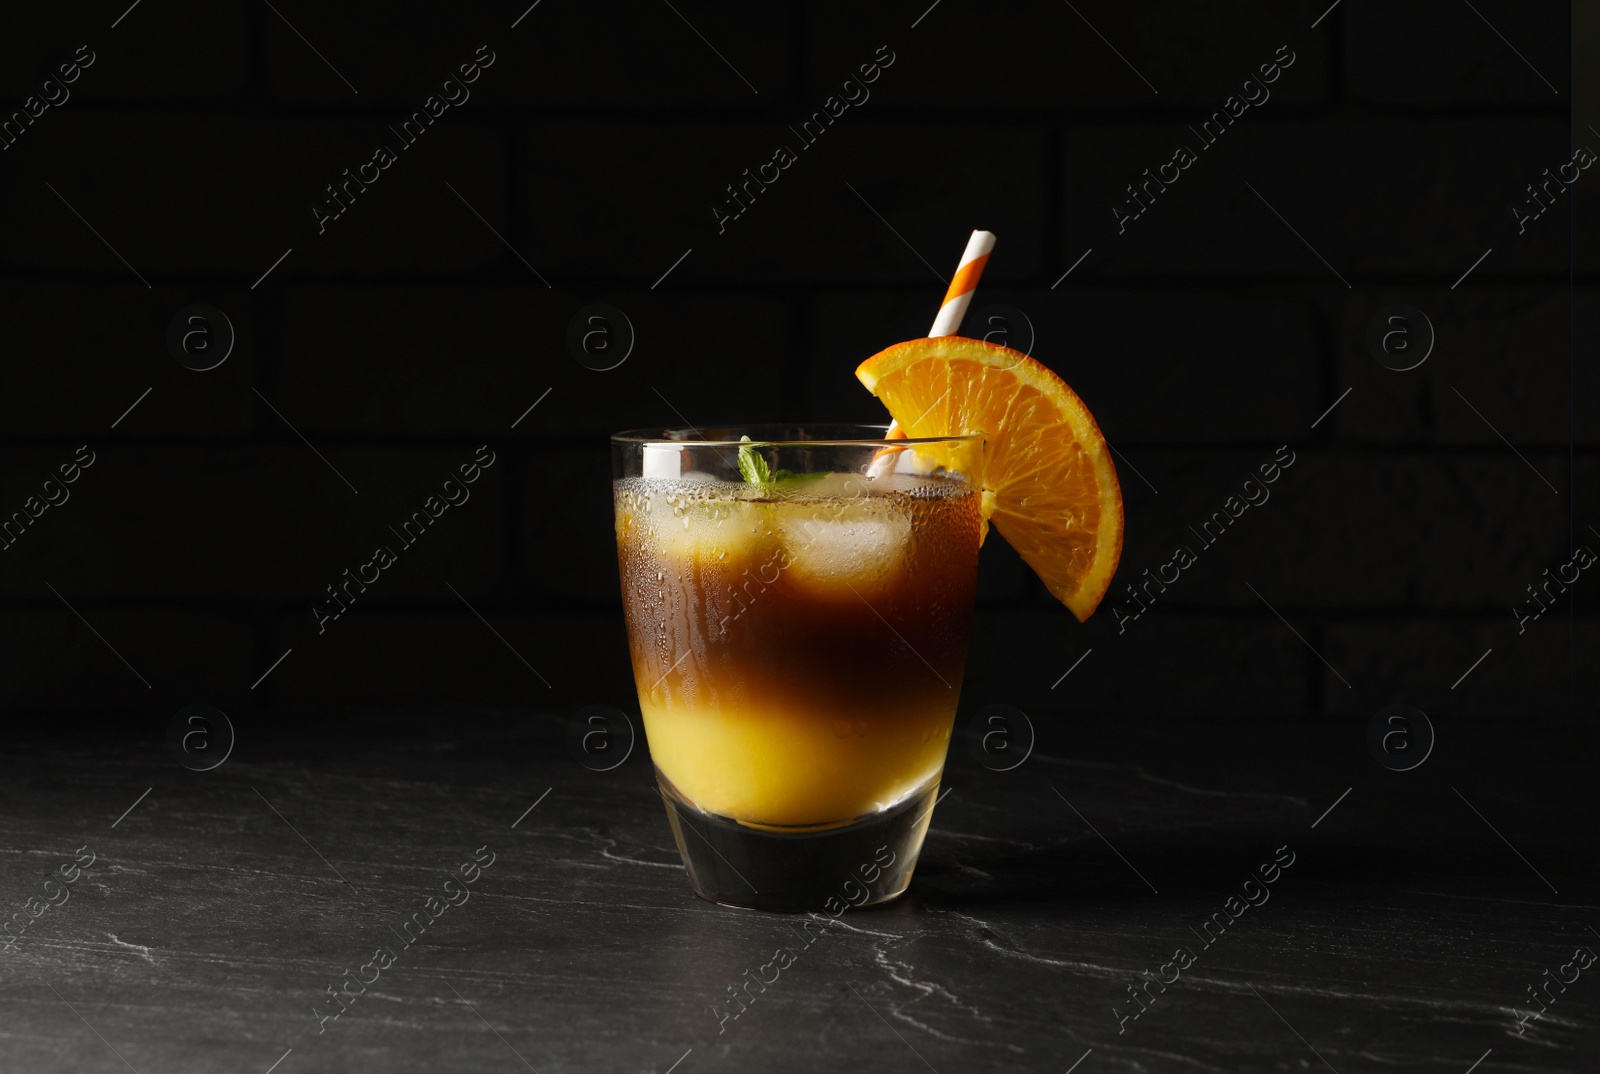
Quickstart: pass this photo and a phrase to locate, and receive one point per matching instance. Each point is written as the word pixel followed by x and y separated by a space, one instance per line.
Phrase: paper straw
pixel 956 299
pixel 962 284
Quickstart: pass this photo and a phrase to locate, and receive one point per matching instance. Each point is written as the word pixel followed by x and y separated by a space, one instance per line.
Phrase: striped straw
pixel 957 298
pixel 962 284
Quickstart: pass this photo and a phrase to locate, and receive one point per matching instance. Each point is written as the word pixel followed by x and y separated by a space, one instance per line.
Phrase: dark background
pixel 1228 320
pixel 407 334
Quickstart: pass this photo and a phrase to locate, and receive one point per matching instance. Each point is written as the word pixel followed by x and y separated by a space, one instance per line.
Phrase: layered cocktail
pixel 797 607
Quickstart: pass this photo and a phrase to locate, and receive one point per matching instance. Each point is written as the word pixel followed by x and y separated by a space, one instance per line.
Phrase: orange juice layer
pixel 798 659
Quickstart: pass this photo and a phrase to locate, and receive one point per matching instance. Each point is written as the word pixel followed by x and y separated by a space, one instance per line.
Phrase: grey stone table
pixel 1404 925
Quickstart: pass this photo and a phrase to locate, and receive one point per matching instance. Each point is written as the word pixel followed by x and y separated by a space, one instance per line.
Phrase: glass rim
pixel 867 435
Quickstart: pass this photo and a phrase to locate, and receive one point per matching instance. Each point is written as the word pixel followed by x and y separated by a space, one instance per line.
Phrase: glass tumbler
pixel 798 600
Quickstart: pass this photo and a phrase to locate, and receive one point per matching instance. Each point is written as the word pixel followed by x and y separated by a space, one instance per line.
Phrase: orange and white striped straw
pixel 956 298
pixel 962 284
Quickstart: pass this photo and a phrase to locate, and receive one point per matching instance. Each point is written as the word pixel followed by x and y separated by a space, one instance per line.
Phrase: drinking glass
pixel 798 600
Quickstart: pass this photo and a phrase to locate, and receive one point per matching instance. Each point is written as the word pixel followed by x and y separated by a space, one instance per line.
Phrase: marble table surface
pixel 173 920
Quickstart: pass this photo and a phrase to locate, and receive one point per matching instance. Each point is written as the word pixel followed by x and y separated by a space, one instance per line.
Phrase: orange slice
pixel 1048 480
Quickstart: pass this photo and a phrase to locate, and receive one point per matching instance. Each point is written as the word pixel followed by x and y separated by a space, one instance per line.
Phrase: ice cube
pixel 859 543
pixel 823 486
pixel 706 528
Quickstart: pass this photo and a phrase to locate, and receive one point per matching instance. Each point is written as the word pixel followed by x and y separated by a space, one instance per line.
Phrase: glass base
pixel 863 863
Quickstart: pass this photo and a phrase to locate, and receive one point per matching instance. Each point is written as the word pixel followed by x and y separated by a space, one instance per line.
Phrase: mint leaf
pixel 756 470
pixel 752 467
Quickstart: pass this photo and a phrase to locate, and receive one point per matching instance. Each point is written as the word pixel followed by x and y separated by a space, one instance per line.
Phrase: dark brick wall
pixel 1221 323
